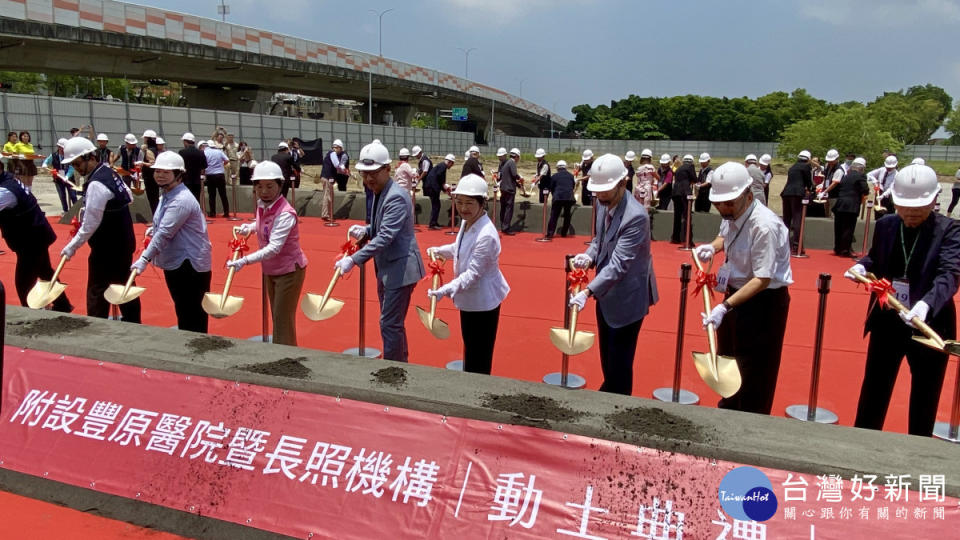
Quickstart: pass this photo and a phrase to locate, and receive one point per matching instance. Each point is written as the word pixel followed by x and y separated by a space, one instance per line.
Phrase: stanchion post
pixel 866 229
pixel 543 210
pixel 453 216
pixel 3 324
pixel 564 378
pixel 361 349
pixel 942 430
pixel 593 219
pixel 675 393
pixel 803 221
pixel 687 245
pixel 333 218
pixel 811 412
pixel 233 197
pixel 203 199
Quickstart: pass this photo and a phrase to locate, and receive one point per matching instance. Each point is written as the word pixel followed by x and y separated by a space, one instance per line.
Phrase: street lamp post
pixel 466 61
pixel 369 90
pixel 380 15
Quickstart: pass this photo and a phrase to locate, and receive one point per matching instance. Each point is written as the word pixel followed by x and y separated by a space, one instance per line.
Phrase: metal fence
pixel 600 146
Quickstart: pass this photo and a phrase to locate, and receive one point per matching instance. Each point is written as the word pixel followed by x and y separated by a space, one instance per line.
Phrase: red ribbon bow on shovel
pixel 578 279
pixel 436 269
pixel 75 224
pixel 347 249
pixel 237 244
pixel 705 279
pixel 880 288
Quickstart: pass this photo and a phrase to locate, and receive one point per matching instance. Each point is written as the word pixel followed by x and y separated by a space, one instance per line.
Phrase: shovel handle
pixel 892 300
pixel 705 293
pixel 56 273
pixel 126 288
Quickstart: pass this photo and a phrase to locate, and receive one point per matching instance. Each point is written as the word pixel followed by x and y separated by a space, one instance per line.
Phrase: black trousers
pixel 33 263
pixel 560 206
pixel 702 204
pixel 543 197
pixel 752 333
pixel 479 331
pixel 506 209
pixel 196 190
pixel 792 217
pixel 664 195
pixel 246 174
pixel 844 224
pixel 434 207
pixel 618 346
pixel 152 189
pixel 954 197
pixel 187 287
pixel 680 204
pixel 217 183
pixel 341 180
pixel 104 268
pixel 890 341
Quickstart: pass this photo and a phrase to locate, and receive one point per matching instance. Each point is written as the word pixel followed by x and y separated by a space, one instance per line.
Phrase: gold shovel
pixel 438 328
pixel 570 341
pixel 45 292
pixel 121 294
pixel 721 373
pixel 224 305
pixel 320 307
pixel 930 338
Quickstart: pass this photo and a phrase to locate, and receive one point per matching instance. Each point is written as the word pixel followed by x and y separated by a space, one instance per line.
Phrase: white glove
pixel 858 268
pixel 149 231
pixel 237 264
pixel 716 316
pixel 884 194
pixel 445 290
pixel 920 309
pixel 357 232
pixel 67 252
pixel 345 265
pixel 579 300
pixel 704 252
pixel 582 261
pixel 246 228
pixel 139 265
pixel 434 251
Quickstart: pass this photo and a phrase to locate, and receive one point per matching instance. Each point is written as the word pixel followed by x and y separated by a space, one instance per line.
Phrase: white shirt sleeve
pixel 96 199
pixel 282 226
pixel 7 199
pixel 837 176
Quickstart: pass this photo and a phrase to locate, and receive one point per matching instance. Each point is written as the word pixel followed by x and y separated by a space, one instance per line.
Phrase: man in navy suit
pixel 392 246
pixel 624 285
pixel 918 250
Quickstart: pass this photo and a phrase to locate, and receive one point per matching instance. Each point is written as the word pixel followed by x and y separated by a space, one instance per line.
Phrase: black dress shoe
pixel 510 233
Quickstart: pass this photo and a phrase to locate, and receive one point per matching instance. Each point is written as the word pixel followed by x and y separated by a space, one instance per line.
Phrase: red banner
pixel 307 465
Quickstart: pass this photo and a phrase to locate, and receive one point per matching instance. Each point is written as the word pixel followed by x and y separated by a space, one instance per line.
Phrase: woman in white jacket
pixel 479 287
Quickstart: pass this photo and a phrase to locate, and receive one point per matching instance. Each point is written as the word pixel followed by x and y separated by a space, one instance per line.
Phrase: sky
pixel 562 53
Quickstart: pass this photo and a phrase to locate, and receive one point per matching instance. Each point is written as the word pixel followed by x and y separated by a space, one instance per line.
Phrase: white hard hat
pixel 539 153
pixel 646 152
pixel 160 141
pixel 203 143
pixel 213 144
pixel 957 174
pixel 169 161
pixel 76 146
pixel 376 141
pixel 130 138
pixel 664 159
pixel 61 142
pixel 915 185
pixel 587 154
pixel 416 150
pixel 750 157
pixel 860 161
pixel 474 149
pixel 515 152
pixel 150 133
pixel 102 137
pixel 630 156
pixel 466 155
pixel 450 157
pixel 373 156
pixel 765 159
pixel 403 153
pixel 918 161
pixel 890 162
pixel 804 155
pixel 704 157
pixel 471 185
pixel 188 137
pixel 267 170
pixel 281 145
pixel 501 151
pixel 833 155
pixel 561 164
pixel 688 158
pixel 729 181
pixel 606 172
pixel 337 142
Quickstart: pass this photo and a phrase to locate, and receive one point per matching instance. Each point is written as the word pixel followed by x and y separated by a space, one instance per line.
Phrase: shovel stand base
pixel 259 338
pixel 455 365
pixel 685 397
pixel 368 352
pixel 451 233
pixel 941 430
pixel 544 239
pixel 574 381
pixel 331 223
pixel 800 256
pixel 821 415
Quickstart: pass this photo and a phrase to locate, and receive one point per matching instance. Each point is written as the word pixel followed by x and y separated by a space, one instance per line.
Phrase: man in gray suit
pixel 624 285
pixel 392 246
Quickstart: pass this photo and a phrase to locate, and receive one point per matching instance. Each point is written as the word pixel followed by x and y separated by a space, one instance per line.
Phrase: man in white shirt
pixel 217 162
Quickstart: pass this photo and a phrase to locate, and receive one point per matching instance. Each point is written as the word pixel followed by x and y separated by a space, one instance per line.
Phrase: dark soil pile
pixel 392 376
pixel 49 327
pixel 205 344
pixel 658 423
pixel 530 406
pixel 285 367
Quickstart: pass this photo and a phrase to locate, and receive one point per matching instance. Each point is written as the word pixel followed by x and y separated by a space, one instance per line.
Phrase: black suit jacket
pixel 934 270
pixel 685 177
pixel 562 183
pixel 435 179
pixel 799 180
pixel 285 161
pixel 195 162
pixel 471 166
pixel 850 192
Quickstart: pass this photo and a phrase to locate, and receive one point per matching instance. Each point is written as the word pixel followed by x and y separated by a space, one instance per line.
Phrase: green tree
pixel 852 129
pixel 953 126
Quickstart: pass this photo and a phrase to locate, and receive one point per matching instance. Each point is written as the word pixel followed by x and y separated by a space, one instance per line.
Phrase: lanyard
pixel 740 230
pixel 903 246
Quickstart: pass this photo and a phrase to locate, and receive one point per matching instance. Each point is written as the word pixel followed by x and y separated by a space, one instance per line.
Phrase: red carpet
pixel 523 349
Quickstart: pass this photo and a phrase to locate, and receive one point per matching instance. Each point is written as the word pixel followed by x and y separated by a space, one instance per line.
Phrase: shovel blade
pixel 44 293
pixel 438 328
pixel 114 294
pixel 212 305
pixel 581 342
pixel 725 380
pixel 316 309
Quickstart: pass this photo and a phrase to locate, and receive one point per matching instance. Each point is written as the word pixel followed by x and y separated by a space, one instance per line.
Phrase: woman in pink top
pixel 284 264
pixel 405 175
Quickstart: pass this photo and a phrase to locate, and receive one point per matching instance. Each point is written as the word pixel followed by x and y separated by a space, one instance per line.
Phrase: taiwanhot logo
pixel 746 494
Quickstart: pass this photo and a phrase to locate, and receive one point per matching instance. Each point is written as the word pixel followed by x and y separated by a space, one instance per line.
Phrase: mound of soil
pixel 658 423
pixel 530 406
pixel 49 327
pixel 392 376
pixel 285 367
pixel 204 344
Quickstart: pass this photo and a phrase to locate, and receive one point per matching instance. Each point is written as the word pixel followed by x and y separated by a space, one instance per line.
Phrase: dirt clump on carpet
pixel 206 344
pixel 392 376
pixel 49 327
pixel 530 406
pixel 285 367
pixel 658 423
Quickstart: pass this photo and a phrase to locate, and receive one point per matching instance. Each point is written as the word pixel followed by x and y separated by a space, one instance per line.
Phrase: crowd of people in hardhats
pixel 917 249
